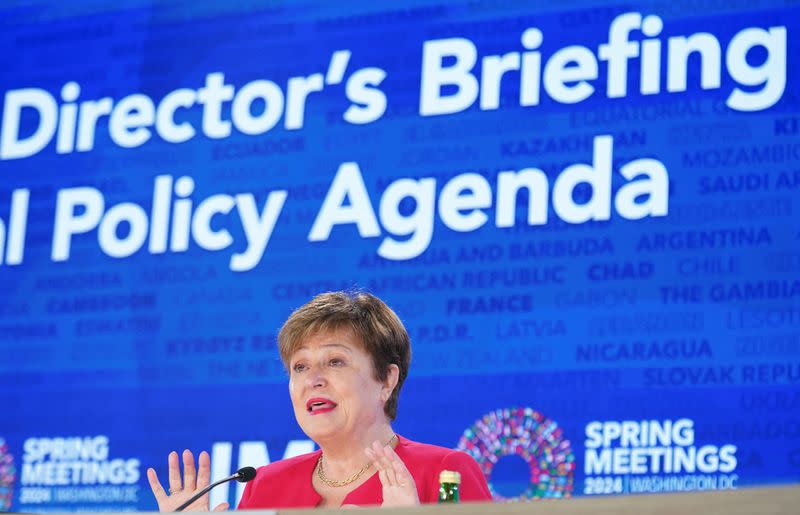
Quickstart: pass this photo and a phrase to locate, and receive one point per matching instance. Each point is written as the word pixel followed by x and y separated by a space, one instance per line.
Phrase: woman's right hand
pixel 194 480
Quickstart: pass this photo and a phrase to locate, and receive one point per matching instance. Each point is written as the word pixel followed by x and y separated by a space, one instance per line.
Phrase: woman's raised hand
pixel 194 480
pixel 399 488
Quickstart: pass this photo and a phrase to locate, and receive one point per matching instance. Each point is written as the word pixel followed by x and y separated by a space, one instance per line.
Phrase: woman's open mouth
pixel 319 405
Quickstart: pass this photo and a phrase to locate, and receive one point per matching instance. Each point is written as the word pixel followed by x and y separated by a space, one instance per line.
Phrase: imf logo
pixel 8 474
pixel 523 454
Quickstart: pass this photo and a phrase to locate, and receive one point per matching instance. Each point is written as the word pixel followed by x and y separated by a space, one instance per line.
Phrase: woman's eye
pixel 336 362
pixel 299 367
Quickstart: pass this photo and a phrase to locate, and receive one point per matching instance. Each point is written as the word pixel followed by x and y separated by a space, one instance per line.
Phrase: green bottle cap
pixel 450 476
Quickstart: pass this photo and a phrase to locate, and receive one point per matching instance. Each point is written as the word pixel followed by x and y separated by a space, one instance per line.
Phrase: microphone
pixel 243 475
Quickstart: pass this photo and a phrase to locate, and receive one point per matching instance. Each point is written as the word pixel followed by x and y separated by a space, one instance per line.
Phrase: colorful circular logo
pixel 8 474
pixel 532 436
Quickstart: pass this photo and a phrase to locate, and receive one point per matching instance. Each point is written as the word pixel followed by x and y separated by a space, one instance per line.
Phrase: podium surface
pixel 777 500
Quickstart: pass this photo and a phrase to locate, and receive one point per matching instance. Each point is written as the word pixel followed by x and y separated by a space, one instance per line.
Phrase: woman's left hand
pixel 399 488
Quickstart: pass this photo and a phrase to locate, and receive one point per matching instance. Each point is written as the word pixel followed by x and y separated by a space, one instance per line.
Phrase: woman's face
pixel 333 388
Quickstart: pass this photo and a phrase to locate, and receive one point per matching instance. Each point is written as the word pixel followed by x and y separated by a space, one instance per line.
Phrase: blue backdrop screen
pixel 586 217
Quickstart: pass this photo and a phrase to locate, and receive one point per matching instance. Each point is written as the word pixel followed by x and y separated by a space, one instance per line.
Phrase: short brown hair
pixel 376 326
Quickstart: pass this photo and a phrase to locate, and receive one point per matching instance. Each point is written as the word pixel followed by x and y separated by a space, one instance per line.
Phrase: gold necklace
pixel 334 483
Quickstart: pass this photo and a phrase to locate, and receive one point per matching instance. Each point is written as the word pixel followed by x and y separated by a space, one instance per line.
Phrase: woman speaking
pixel 347 355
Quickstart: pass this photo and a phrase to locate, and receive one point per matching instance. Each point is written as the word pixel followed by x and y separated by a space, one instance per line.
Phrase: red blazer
pixel 287 483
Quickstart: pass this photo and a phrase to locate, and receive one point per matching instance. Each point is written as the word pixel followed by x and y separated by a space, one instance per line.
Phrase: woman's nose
pixel 316 379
